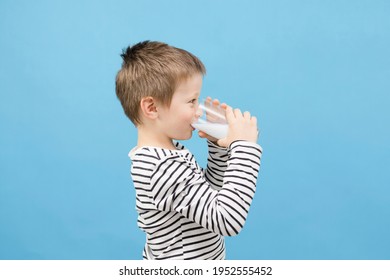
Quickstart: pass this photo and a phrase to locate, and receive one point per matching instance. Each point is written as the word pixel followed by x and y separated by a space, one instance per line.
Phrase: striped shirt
pixel 186 211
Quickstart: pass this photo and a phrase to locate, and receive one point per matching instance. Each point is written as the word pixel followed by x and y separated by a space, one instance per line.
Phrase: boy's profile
pixel 184 210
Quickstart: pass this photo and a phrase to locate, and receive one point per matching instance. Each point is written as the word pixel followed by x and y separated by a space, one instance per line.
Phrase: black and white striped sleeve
pixel 178 186
pixel 216 165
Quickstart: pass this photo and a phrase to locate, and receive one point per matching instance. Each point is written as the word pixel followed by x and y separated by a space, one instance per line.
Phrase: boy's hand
pixel 242 126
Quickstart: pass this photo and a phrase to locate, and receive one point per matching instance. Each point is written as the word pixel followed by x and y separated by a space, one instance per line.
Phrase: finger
pixel 247 115
pixel 254 120
pixel 205 135
pixel 237 113
pixel 215 102
pixel 229 113
pixel 222 112
pixel 208 102
pixel 202 134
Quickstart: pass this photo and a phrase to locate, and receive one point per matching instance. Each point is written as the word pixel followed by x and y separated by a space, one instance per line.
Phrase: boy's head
pixel 152 69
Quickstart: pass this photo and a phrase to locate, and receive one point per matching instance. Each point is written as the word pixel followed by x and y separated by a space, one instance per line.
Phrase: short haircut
pixel 152 69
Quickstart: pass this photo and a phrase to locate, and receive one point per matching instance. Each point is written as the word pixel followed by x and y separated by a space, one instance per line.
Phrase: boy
pixel 184 210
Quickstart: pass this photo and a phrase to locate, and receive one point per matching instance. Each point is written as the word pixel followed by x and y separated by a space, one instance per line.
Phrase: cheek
pixel 190 115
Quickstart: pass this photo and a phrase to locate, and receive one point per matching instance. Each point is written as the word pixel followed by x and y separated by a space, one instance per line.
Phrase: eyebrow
pixel 196 94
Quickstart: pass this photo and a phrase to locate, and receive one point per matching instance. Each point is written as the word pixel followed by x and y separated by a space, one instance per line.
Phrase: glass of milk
pixel 211 119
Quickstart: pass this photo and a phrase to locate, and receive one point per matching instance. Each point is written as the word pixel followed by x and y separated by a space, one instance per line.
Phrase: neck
pixel 152 137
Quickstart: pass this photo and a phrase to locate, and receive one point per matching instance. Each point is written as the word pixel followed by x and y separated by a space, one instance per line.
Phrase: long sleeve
pixel 178 185
pixel 216 165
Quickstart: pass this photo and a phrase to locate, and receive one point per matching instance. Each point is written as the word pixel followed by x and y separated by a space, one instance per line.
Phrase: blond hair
pixel 152 69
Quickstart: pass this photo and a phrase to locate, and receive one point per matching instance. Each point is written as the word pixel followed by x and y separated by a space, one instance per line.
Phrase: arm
pixel 241 127
pixel 177 187
pixel 216 165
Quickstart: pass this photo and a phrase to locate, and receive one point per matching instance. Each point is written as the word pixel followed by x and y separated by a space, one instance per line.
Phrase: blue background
pixel 315 73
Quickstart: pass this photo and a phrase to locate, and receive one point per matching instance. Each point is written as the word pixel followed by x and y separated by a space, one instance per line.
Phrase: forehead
pixel 189 86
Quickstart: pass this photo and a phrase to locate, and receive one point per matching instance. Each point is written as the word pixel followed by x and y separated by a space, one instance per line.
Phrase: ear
pixel 148 107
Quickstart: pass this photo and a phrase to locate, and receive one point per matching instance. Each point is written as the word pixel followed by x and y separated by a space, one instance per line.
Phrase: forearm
pixel 225 212
pixel 235 197
pixel 216 165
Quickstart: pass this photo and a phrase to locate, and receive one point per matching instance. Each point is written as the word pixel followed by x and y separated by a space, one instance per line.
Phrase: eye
pixel 194 101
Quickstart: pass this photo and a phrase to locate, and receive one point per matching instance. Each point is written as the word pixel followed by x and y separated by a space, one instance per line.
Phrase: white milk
pixel 216 130
pixel 211 120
